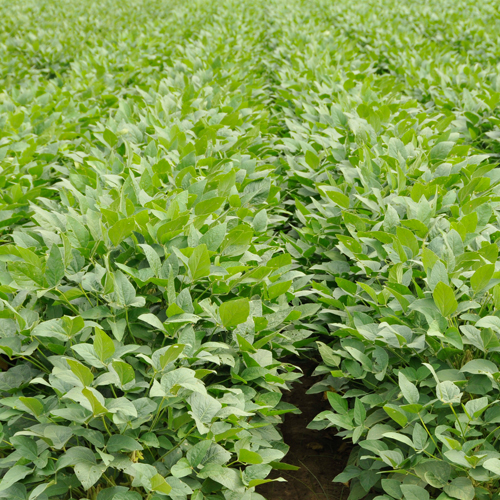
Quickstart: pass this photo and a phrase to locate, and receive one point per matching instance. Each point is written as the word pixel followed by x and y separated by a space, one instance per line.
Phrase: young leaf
pixel 121 230
pixel 103 345
pixel 445 299
pixel 81 371
pixel 249 457
pixel 234 312
pixel 481 277
pixel 199 263
pixel 124 371
pixel 409 390
pixel 54 269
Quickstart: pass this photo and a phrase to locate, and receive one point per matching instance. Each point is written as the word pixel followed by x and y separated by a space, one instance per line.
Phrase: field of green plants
pixel 196 194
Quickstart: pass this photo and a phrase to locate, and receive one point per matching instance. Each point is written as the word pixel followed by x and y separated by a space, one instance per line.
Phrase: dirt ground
pixel 319 454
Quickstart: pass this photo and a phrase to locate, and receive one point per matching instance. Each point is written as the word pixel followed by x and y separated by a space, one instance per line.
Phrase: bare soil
pixel 319 454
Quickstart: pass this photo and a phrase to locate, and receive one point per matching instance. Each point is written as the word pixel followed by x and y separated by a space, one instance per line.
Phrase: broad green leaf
pixel 103 345
pixel 234 312
pixel 445 299
pixel 203 409
pixel 199 263
pixel 33 404
pixel 396 414
pixel 461 488
pixel 124 371
pixel 121 230
pixel 54 269
pixel 359 412
pixel 197 453
pixel 124 291
pixel 81 371
pixel 119 442
pixel 171 354
pixel 159 484
pixel 414 492
pixel 338 198
pixel 14 475
pixel 249 457
pixel 339 404
pixel 493 465
pixel 152 258
pixel 214 237
pixel 97 407
pixel 409 390
pixel 481 277
pixel 448 392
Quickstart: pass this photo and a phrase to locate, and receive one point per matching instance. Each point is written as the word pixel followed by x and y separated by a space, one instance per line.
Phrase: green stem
pixel 458 421
pixel 68 303
pixel 158 415
pixel 37 364
pixel 492 433
pixel 105 425
pixel 128 326
pixel 178 444
pixel 425 427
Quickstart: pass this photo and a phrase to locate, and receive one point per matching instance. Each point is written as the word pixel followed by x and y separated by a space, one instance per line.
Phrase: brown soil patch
pixel 319 454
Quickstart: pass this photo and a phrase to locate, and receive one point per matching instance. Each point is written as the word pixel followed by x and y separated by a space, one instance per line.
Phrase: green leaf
pixel 14 475
pixel 414 492
pixel 409 390
pixel 234 312
pixel 103 345
pixel 448 392
pixel 461 488
pixel 124 371
pixel 441 150
pixel 339 404
pixel 152 258
pixel 171 354
pixel 197 453
pixel 419 436
pixel 81 371
pixel 312 159
pixel 481 277
pixel 493 465
pixel 327 354
pixel 278 289
pixel 159 484
pixel 121 230
pixel 392 487
pixel 396 414
pixel 260 221
pixel 338 198
pixel 249 457
pixel 479 366
pixel 209 206
pixel 203 410
pixel 119 442
pixel 445 299
pixel 347 285
pixel 87 470
pixel 214 237
pixel 359 412
pixel 199 263
pixel 97 407
pixel 124 291
pixel 33 404
pixel 54 269
pixel 26 445
pixel 152 320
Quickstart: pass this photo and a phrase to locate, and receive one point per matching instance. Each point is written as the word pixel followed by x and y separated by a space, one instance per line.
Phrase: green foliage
pixel 393 186
pixel 144 303
pixel 192 191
